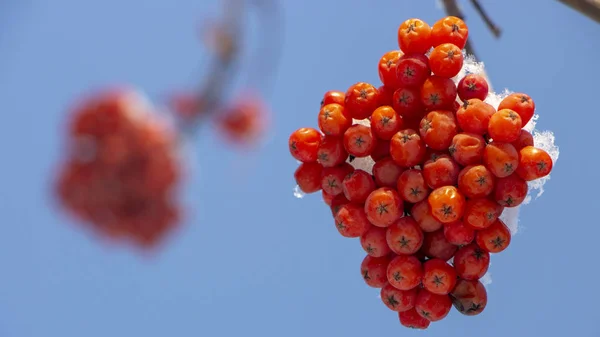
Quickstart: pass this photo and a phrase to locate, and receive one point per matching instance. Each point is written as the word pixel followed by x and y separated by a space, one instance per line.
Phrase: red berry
pixel 304 144
pixel 405 272
pixel 374 242
pixel 438 276
pixel 432 307
pixel 398 300
pixel 472 86
pixel 357 186
pixel 309 177
pixel 361 100
pixel 471 262
pixel 374 270
pixel 404 237
pixel 412 319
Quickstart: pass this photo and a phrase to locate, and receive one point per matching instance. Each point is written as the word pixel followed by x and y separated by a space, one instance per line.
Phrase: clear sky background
pixel 252 260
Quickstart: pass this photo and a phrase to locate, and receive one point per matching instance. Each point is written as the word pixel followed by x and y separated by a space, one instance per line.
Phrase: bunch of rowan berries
pixel 123 164
pixel 445 164
pixel 121 168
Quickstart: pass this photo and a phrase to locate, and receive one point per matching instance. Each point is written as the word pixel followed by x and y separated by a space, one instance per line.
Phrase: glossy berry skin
pixel 361 100
pixel 308 177
pixel 473 86
pixel 387 68
pixel 383 207
pixel 405 237
pixel 435 245
pixel 333 96
pixel 441 170
pixel 411 319
pixel 414 36
pixel 304 144
pixel 407 149
pixel 398 300
pixel 438 128
pixel 501 159
pixel 495 238
pixel 333 120
pixel 520 103
pixel 385 122
pixel 480 213
pixel 421 212
pixel 374 270
pixel 374 242
pixel 476 181
pixel 474 116
pixel 450 29
pixel 458 233
pixel 405 272
pixel 447 204
pixel 446 60
pixel 467 148
pixel 359 140
pixel 407 103
pixel 471 262
pixel 525 139
pixel 511 191
pixel 351 221
pixel 438 93
pixel 332 178
pixel 432 307
pixel 469 297
pixel 357 186
pixel 439 277
pixel 505 126
pixel 412 186
pixel 534 163
pixel 387 172
pixel 331 152
pixel 412 70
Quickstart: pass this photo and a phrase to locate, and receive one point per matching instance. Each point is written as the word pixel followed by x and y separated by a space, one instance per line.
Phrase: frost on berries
pixel 122 168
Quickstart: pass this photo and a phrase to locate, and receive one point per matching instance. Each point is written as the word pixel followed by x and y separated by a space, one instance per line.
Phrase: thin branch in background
pixel 589 8
pixel 267 55
pixel 486 18
pixel 224 39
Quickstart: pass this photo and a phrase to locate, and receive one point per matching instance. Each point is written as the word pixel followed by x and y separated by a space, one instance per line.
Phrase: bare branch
pixel 486 18
pixel 226 44
pixel 589 8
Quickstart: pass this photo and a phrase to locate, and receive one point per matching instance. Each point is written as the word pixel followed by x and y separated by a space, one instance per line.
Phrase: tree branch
pixel 589 8
pixel 486 18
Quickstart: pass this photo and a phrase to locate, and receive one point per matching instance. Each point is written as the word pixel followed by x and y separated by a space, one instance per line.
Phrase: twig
pixel 267 56
pixel 590 8
pixel 486 18
pixel 227 44
pixel 222 70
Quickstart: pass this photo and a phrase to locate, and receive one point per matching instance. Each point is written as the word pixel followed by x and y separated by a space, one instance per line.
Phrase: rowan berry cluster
pixel 446 165
pixel 121 168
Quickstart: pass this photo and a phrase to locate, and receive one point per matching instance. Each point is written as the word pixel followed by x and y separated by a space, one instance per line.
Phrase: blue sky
pixel 252 259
